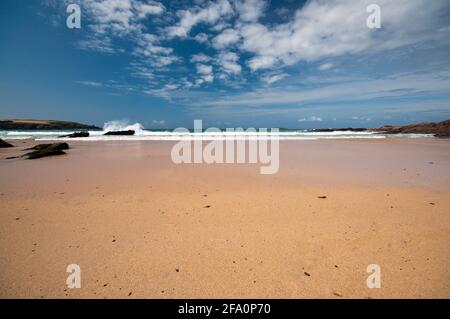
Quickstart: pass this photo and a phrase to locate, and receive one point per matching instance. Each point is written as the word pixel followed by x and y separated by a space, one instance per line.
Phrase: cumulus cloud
pixel 229 62
pixel 205 72
pixel 111 19
pixel 204 69
pixel 211 13
pixel 332 28
pixel 226 38
pixel 200 57
pixel 119 16
pixel 148 8
pixel 317 32
pixel 201 37
pixel 147 49
pixel 250 10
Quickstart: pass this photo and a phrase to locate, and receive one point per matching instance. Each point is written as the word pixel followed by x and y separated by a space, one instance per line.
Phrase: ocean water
pixel 169 135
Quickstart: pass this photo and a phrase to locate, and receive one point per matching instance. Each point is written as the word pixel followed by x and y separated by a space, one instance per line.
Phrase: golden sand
pixel 140 226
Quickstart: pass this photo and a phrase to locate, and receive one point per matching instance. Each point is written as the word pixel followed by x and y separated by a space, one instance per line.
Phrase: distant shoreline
pixel 440 129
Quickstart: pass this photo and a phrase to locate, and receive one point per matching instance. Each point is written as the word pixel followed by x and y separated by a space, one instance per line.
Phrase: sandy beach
pixel 140 226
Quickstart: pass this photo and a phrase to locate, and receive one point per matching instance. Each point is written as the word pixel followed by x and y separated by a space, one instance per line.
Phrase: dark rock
pixel 4 144
pixel 322 197
pixel 129 132
pixel 441 129
pixel 76 134
pixel 307 274
pixel 44 150
pixel 60 146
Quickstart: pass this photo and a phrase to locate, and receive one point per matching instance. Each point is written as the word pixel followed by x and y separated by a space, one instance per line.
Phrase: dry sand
pixel 140 226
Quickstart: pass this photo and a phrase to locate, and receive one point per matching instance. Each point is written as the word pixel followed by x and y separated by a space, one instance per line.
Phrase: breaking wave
pixel 123 126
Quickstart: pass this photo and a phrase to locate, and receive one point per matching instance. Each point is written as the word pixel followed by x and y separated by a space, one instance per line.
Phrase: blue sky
pixel 292 64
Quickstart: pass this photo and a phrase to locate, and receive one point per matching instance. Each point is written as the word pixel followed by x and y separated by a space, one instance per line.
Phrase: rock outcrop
pixel 4 144
pixel 44 150
pixel 76 134
pixel 129 132
pixel 441 129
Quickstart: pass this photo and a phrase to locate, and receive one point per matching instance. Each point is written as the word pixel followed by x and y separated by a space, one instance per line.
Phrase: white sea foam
pixel 123 126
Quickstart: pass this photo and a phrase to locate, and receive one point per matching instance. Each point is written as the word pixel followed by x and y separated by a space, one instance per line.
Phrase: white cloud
pixel 316 33
pixel 90 83
pixel 208 14
pixel 397 86
pixel 311 119
pixel 171 86
pixel 229 62
pixel 149 8
pixel 119 16
pixel 227 37
pixel 200 57
pixel 204 69
pixel 261 62
pixel 141 71
pixel 155 55
pixel 332 28
pixel 206 74
pixel 93 43
pixel 325 66
pixel 201 37
pixel 250 10
pixel 269 79
pixel 109 19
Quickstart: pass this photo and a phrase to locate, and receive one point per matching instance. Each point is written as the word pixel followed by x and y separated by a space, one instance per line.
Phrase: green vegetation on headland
pixel 44 125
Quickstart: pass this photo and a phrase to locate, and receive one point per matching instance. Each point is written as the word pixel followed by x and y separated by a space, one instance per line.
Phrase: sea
pixel 144 134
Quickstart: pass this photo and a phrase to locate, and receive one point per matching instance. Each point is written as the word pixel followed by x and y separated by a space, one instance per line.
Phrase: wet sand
pixel 140 226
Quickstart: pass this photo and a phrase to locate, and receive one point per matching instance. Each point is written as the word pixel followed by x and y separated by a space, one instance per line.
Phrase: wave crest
pixel 123 126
